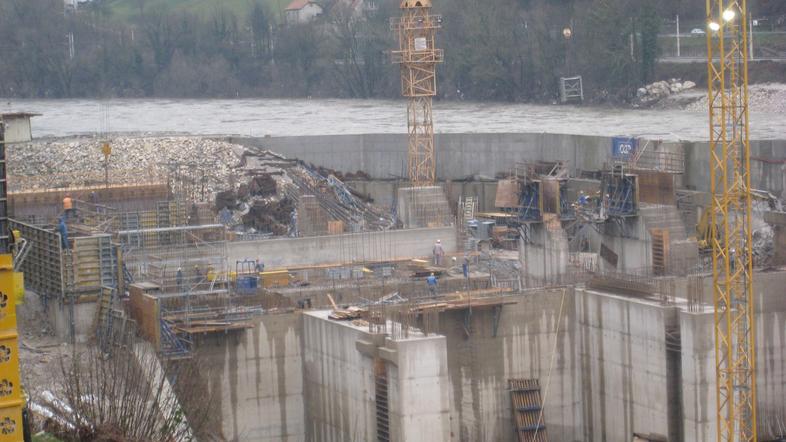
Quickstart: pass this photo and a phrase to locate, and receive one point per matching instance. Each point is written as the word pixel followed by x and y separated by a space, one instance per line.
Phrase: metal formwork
pixel 43 267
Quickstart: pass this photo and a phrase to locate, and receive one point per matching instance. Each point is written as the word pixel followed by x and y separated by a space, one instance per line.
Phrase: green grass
pixel 45 437
pixel 126 10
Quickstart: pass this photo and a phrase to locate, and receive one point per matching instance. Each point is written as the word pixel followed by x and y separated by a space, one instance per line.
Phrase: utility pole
pixel 750 42
pixel 678 35
pixel 71 48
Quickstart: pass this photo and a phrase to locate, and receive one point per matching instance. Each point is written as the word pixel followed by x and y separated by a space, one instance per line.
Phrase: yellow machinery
pixel 12 400
pixel 730 220
pixel 703 230
pixel 418 56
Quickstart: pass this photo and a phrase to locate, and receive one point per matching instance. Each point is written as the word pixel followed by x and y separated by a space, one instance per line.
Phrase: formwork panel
pixel 43 266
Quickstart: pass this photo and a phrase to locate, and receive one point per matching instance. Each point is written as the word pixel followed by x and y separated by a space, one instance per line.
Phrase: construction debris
pixel 283 196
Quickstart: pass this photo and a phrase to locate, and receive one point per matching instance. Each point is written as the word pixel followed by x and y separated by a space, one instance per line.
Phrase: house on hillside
pixel 302 11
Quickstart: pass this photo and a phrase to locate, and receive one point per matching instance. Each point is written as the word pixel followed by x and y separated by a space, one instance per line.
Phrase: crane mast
pixel 730 189
pixel 418 57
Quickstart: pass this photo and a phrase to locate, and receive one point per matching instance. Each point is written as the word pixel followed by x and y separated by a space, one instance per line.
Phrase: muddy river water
pixel 261 117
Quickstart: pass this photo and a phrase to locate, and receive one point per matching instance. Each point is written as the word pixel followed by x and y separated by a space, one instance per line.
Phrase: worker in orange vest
pixel 68 206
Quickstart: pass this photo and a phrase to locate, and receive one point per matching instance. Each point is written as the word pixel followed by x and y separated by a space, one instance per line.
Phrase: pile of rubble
pixel 768 97
pixel 273 195
pixel 74 163
pixel 659 90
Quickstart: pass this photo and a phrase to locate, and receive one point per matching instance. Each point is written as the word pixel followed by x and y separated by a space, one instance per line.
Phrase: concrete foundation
pixel 609 365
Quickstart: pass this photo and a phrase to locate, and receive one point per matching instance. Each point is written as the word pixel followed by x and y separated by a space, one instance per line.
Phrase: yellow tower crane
pixel 13 128
pixel 730 219
pixel 418 56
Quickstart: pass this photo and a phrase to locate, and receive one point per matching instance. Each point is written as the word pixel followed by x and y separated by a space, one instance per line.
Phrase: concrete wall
pixel 525 343
pixel 768 159
pixel 79 320
pixel 256 380
pixel 383 156
pixel 698 363
pixel 632 244
pixel 419 389
pixel 369 246
pixel 458 155
pixel 385 192
pixel 544 259
pixel 603 361
pixel 340 384
pixel 625 376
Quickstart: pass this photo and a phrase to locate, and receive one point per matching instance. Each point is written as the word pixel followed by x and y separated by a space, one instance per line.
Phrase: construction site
pixel 416 287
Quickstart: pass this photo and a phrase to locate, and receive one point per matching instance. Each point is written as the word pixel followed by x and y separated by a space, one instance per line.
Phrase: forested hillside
pixel 507 50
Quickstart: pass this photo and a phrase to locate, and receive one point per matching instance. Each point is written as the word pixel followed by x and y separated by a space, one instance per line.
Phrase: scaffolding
pixel 620 193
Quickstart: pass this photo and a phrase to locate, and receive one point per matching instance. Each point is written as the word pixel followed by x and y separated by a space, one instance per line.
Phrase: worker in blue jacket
pixel 431 281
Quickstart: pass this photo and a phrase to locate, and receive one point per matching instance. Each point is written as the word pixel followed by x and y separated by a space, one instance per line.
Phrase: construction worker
pixel 583 199
pixel 438 252
pixel 179 279
pixel 61 227
pixel 68 206
pixel 431 281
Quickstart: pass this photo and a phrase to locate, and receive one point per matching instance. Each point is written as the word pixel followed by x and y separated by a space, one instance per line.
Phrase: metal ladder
pixel 468 208
pixel 381 401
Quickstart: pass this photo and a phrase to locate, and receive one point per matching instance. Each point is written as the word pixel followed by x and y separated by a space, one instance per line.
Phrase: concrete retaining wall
pixel 341 403
pixel 625 378
pixel 383 156
pixel 526 338
pixel 256 380
pixel 698 366
pixel 369 246
pixel 339 382
pixel 768 164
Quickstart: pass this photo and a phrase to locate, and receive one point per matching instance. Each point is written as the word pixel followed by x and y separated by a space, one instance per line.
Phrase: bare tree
pixel 131 396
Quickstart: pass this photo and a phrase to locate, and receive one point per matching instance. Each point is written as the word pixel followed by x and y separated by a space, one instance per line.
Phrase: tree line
pixel 506 50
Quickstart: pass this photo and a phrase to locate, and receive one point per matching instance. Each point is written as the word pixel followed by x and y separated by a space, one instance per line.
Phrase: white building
pixel 302 11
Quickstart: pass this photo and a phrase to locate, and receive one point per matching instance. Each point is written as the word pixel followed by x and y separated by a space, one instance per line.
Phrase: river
pixel 261 117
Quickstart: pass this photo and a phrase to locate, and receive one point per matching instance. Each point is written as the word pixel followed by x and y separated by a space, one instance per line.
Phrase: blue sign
pixel 623 148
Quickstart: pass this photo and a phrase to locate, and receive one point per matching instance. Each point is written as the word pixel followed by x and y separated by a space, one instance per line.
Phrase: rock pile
pixel 768 97
pixel 59 164
pixel 661 89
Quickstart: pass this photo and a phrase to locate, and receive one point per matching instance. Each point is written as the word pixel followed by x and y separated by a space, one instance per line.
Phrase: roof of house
pixel 297 5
